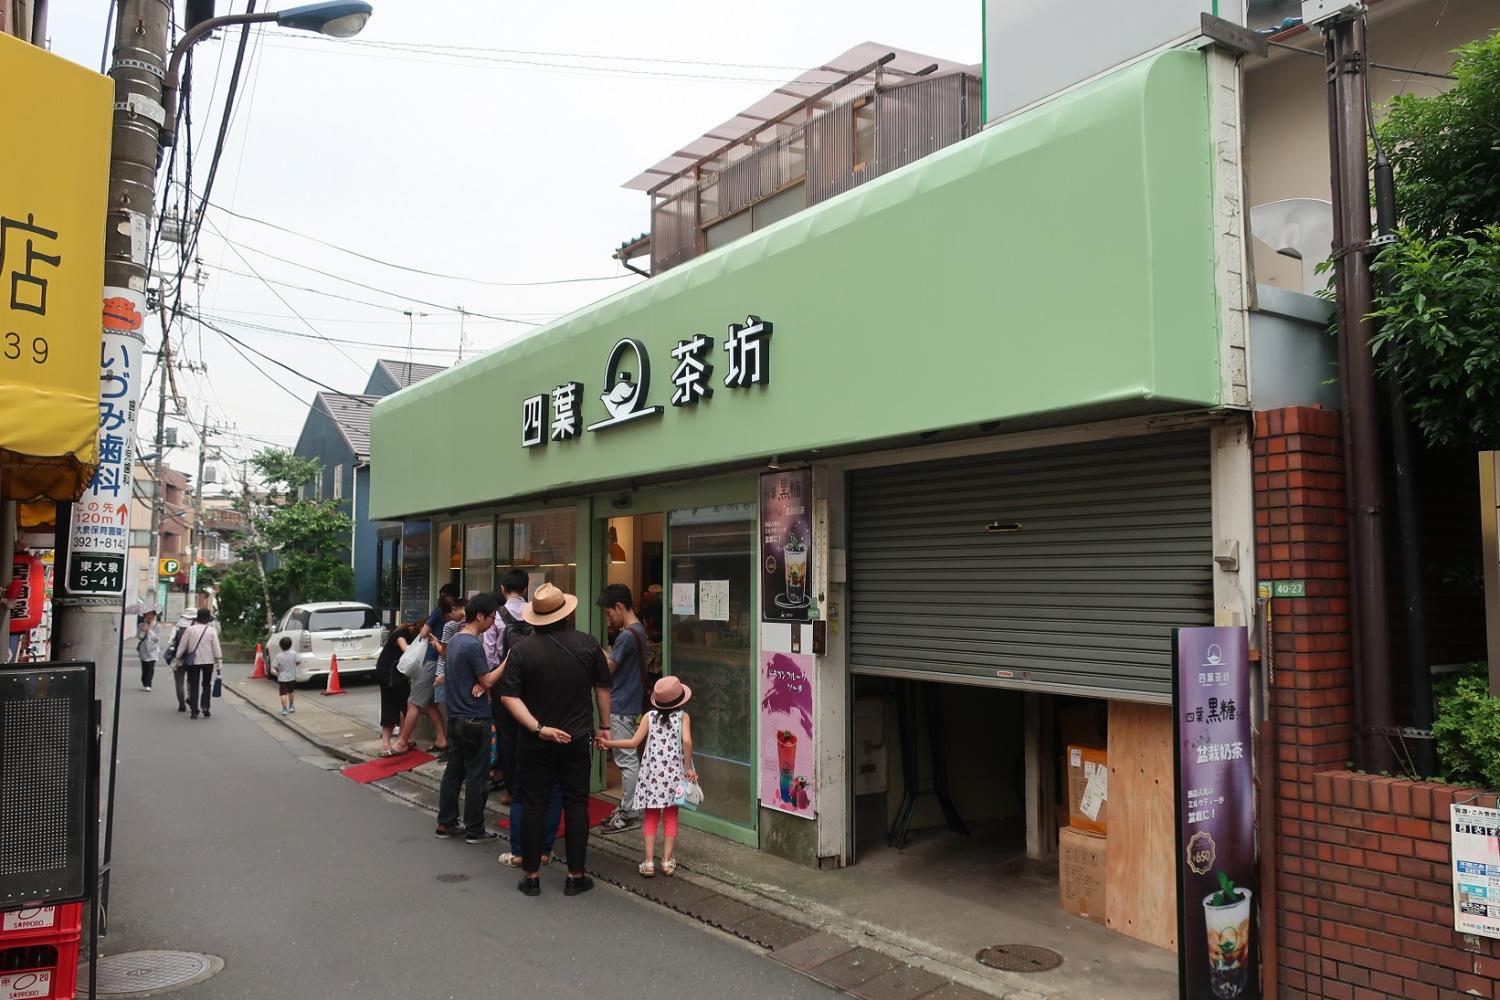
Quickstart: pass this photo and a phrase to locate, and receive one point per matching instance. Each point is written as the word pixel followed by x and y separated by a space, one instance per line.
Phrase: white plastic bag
pixel 412 658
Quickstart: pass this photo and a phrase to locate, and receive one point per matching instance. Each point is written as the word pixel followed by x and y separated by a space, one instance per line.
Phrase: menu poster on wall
pixel 1215 815
pixel 416 569
pixel 1475 835
pixel 786 733
pixel 684 598
pixel 785 545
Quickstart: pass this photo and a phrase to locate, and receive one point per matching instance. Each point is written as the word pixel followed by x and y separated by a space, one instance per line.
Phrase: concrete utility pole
pixel 195 533
pixel 92 627
pixel 1344 46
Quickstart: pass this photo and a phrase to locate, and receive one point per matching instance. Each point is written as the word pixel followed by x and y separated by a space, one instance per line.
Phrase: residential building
pixel 336 434
pixel 176 525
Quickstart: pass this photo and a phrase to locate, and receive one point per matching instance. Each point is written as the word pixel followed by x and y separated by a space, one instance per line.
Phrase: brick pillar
pixel 1300 534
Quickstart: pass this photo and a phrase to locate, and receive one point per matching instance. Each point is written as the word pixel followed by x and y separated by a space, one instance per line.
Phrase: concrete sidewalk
pixel 878 932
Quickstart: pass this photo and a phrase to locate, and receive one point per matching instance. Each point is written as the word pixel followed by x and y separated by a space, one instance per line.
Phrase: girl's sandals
pixel 669 866
pixel 388 752
pixel 647 869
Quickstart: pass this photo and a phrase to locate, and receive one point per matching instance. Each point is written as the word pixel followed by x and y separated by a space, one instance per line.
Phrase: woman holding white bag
pixel 394 686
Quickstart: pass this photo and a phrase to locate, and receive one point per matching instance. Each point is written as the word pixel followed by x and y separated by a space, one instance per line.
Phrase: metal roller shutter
pixel 1114 551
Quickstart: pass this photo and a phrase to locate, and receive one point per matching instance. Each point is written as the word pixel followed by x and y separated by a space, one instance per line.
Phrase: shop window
pixel 479 557
pixel 449 554
pixel 544 544
pixel 711 550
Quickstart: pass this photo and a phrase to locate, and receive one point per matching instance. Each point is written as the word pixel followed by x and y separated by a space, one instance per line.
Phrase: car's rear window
pixel 338 619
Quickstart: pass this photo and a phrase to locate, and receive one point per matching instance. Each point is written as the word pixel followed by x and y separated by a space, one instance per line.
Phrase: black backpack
pixel 515 629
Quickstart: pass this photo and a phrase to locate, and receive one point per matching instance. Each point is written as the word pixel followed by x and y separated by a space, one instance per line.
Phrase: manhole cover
pixel 1019 958
pixel 138 973
pixel 452 877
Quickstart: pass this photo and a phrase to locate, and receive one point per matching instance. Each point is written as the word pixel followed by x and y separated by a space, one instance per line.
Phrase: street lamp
pixel 336 18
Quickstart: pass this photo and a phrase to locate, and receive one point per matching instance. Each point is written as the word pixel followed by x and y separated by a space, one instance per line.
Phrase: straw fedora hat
pixel 548 605
pixel 669 693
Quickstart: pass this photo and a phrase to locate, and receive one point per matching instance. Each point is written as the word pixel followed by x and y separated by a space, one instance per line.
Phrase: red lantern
pixel 27 592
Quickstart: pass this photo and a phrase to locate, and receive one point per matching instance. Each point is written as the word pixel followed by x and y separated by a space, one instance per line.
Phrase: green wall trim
pixel 1060 260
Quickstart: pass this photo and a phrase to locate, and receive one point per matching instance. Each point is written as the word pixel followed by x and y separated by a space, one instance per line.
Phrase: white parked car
pixel 320 630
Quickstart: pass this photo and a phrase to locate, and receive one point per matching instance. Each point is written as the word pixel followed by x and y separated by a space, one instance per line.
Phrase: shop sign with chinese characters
pixel 99 537
pixel 1475 833
pixel 54 179
pixel 558 415
pixel 1215 814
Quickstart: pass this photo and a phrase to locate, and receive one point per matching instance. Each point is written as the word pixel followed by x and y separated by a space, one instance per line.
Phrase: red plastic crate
pixel 41 924
pixel 40 971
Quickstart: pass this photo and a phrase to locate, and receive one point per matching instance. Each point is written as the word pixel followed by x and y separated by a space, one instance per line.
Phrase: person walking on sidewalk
pixel 667 733
pixel 469 725
pixel 284 666
pixel 394 687
pixel 148 648
pixel 627 692
pixel 199 654
pixel 546 685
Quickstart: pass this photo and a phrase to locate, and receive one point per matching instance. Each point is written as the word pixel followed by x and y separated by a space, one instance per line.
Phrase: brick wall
pixel 1381 898
pixel 1362 889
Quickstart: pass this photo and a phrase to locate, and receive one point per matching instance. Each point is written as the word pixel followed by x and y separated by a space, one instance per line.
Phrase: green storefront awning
pixel 1062 260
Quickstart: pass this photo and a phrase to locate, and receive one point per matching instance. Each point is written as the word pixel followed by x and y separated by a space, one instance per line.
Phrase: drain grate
pixel 452 877
pixel 1019 958
pixel 134 973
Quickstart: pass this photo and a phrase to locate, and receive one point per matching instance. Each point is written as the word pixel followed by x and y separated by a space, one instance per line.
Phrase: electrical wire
pixel 281 332
pixel 1387 67
pixel 302 375
pixel 406 267
pixel 360 284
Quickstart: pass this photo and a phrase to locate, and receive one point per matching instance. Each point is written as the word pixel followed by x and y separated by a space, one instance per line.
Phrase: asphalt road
pixel 232 840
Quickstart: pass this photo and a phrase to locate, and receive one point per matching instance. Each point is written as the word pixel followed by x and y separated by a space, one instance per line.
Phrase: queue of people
pixel 522 688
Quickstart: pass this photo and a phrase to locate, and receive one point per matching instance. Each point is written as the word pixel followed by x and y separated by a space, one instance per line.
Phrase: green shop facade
pixel 1005 377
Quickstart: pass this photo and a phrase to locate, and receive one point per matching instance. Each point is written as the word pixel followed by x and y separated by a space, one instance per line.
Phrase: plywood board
pixel 1140 880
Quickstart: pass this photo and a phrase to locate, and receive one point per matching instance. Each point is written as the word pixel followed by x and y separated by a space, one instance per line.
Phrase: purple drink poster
pixel 786 733
pixel 1217 950
pixel 786 545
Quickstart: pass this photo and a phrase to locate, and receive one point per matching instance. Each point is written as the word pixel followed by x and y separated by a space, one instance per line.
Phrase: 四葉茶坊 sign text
pixel 558 415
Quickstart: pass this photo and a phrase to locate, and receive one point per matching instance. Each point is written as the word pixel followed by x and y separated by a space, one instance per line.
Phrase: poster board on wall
pixel 416 569
pixel 786 544
pixel 787 721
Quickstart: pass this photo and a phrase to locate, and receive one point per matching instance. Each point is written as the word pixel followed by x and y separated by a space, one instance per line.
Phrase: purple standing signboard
pixel 1216 943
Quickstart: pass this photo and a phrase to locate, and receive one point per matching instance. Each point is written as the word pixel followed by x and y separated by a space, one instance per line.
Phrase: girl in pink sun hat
pixel 667 733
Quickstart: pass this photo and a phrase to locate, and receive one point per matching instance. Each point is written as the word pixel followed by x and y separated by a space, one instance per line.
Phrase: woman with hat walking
pixel 667 732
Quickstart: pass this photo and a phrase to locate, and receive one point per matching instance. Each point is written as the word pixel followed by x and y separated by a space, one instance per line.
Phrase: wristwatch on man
pixel 539 728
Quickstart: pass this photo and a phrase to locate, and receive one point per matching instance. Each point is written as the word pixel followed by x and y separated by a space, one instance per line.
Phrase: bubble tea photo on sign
pixel 1226 912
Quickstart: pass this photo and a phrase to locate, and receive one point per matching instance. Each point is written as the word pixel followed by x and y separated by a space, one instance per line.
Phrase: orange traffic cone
pixel 260 662
pixel 334 687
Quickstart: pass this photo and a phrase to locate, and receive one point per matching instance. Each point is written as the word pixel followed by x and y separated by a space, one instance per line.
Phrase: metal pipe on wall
pixel 1350 183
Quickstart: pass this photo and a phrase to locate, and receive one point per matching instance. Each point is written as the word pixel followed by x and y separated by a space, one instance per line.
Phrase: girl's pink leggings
pixel 648 824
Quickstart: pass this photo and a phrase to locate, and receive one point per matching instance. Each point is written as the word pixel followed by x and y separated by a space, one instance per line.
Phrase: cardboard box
pixel 1088 788
pixel 1080 873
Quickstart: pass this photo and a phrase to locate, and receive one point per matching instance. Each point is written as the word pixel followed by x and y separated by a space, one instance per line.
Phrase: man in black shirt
pixel 546 684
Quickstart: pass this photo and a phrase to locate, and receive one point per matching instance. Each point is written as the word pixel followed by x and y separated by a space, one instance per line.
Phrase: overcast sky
pixel 462 160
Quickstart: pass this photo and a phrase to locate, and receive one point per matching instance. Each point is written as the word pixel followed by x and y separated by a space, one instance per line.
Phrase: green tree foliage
pixel 309 539
pixel 1439 300
pixel 1467 730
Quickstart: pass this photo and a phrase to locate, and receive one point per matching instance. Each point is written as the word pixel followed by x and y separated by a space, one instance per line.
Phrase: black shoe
pixel 193 716
pixel 207 714
pixel 573 886
pixel 482 837
pixel 447 831
pixel 182 708
pixel 532 886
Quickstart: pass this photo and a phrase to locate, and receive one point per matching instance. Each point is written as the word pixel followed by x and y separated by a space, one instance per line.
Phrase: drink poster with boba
pixel 1216 927
pixel 786 545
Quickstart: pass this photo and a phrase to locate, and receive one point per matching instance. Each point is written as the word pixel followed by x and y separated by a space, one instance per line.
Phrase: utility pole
pixel 196 531
pixel 158 502
pixel 90 604
pixel 1344 46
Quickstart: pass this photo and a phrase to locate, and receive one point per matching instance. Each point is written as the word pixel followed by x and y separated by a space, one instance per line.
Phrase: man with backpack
pixel 510 625
pixel 627 693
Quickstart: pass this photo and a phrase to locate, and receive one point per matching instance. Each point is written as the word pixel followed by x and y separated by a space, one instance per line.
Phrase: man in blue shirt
pixel 469 724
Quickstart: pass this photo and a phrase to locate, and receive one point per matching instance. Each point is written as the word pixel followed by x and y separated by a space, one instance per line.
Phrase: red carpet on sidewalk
pixel 385 767
pixel 598 810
